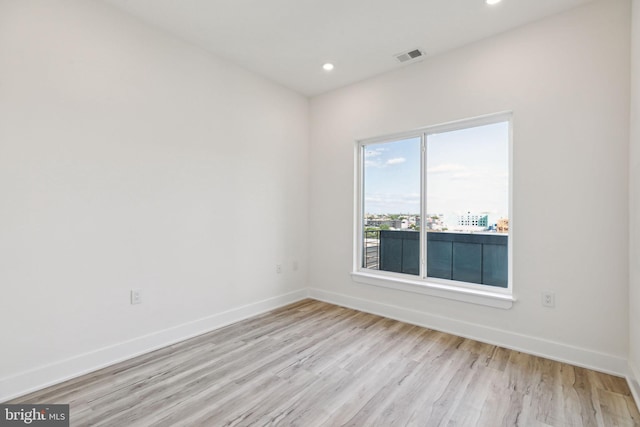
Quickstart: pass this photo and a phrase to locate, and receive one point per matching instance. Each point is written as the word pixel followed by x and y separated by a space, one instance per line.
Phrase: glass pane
pixel 391 206
pixel 468 204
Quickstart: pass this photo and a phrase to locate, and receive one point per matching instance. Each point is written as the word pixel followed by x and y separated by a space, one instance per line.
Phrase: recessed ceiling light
pixel 492 2
pixel 328 66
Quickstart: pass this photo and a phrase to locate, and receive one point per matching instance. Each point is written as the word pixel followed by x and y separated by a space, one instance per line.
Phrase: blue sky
pixel 392 177
pixel 467 170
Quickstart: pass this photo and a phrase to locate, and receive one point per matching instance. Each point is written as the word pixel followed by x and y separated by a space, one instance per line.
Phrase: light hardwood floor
pixel 317 364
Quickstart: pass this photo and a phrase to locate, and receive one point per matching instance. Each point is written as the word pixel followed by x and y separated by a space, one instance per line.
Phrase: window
pixel 433 210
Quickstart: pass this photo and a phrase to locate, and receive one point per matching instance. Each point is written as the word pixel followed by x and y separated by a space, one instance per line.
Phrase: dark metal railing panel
pixel 467 262
pixel 439 258
pixel 400 251
pixel 494 265
pixel 478 238
pixel 472 258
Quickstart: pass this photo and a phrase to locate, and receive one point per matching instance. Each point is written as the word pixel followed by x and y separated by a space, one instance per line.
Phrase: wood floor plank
pixel 316 364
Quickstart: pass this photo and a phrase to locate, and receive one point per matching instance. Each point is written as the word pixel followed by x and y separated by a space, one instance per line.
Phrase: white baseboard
pixel 560 352
pixel 57 372
pixel 632 380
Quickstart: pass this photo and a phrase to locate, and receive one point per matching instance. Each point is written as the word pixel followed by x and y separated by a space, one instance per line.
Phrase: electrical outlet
pixel 279 268
pixel 548 299
pixel 136 296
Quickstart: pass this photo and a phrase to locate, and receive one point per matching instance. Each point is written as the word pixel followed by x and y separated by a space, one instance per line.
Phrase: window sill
pixel 473 296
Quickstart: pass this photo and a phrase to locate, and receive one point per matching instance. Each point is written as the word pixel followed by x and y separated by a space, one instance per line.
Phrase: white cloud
pixel 393 198
pixel 446 168
pixel 372 160
pixel 396 161
pixel 374 152
pixel 462 175
pixel 392 203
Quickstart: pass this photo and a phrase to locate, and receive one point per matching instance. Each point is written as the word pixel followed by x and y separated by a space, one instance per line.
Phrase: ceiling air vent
pixel 412 55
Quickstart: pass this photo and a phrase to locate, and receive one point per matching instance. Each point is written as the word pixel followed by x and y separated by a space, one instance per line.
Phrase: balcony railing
pixel 472 258
pixel 371 249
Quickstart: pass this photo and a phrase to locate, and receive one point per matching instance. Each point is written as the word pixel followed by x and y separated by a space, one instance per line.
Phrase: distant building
pixel 471 220
pixel 434 223
pixel 503 225
pixel 391 223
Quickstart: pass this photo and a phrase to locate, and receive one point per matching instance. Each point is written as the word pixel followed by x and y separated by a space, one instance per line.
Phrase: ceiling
pixel 288 41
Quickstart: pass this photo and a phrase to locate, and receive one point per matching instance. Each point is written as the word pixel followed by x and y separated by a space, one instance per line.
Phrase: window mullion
pixel 423 205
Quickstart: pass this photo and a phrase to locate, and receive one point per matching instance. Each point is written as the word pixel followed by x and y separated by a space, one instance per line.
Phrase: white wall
pixel 634 204
pixel 566 78
pixel 129 159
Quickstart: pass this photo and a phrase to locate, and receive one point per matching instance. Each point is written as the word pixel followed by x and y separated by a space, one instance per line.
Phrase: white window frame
pixel 460 291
